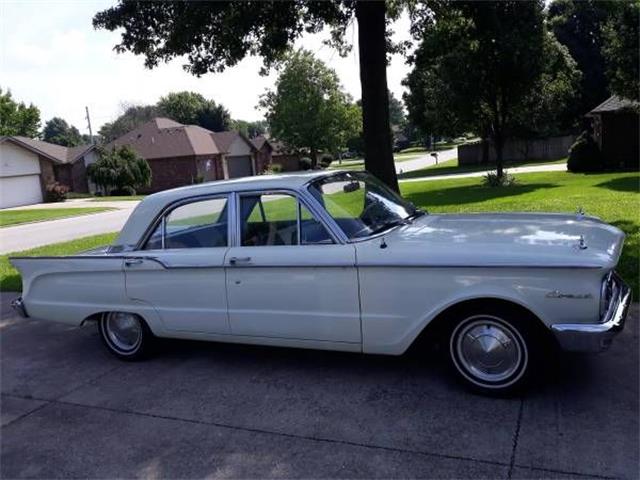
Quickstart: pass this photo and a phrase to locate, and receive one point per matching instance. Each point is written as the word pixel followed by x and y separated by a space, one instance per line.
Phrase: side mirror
pixel 351 187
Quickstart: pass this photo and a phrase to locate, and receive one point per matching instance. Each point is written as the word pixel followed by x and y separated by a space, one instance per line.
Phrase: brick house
pixel 185 154
pixel 28 166
pixel 273 152
pixel 616 127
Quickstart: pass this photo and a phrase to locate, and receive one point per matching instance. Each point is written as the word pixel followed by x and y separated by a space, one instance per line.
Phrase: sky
pixel 51 56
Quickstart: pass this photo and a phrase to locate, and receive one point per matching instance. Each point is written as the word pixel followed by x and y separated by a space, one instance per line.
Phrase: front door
pixel 180 270
pixel 288 278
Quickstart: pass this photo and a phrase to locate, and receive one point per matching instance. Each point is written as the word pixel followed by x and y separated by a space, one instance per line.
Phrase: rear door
pixel 180 269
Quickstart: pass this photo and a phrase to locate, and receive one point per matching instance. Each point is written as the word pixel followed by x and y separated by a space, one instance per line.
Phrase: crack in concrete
pixel 511 465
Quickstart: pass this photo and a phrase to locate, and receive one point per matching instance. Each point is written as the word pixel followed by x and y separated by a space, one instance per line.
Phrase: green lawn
pixel 451 167
pixel 614 197
pixel 9 277
pixel 16 217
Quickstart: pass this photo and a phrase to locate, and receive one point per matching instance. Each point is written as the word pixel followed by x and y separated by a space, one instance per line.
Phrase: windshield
pixel 361 204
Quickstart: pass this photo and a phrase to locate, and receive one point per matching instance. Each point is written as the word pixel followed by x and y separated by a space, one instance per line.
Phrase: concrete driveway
pixel 31 235
pixel 208 410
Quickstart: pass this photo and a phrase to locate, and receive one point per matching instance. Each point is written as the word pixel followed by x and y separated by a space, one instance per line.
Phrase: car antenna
pixel 383 243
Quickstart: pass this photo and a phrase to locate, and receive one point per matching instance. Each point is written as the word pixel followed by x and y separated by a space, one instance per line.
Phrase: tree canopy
pixel 191 108
pixel 578 25
pixel 132 116
pixel 250 129
pixel 308 108
pixel 621 52
pixel 16 118
pixel 58 131
pixel 490 68
pixel 215 35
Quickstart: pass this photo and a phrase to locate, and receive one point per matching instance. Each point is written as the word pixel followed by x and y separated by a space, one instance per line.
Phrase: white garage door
pixel 21 190
pixel 239 166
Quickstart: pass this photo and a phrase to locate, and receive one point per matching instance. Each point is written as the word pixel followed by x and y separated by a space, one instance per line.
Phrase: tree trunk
pixel 485 150
pixel 378 150
pixel 498 142
pixel 314 158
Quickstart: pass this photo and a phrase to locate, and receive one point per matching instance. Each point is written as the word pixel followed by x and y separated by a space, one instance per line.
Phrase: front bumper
pixel 596 337
pixel 18 306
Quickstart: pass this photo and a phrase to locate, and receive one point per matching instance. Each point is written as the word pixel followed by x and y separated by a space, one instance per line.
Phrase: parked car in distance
pixel 338 261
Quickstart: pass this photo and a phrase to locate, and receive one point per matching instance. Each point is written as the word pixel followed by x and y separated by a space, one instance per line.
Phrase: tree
pixel 620 50
pixel 396 111
pixel 119 171
pixel 578 24
pixel 250 129
pixel 480 65
pixel 217 35
pixel 58 131
pixel 308 108
pixel 16 118
pixel 132 117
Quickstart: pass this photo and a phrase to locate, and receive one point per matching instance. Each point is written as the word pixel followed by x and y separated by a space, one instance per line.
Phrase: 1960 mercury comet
pixel 338 261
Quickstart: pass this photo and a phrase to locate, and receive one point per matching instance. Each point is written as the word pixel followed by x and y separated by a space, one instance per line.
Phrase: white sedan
pixel 337 261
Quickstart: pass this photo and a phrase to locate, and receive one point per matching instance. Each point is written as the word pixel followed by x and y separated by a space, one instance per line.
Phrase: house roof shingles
pixel 615 104
pixel 57 153
pixel 165 138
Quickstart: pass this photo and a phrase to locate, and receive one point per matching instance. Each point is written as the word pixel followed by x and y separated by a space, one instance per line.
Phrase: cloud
pixel 61 64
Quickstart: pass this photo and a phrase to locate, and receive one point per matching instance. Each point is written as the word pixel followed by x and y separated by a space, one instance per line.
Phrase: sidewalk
pixel 557 167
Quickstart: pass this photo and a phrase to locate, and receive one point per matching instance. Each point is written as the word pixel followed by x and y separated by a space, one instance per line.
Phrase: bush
pixel 584 155
pixel 119 169
pixel 305 163
pixel 325 160
pixel 123 191
pixel 55 192
pixel 491 179
pixel 272 169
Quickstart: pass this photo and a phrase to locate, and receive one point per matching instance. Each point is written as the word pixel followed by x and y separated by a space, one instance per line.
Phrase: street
pixel 210 410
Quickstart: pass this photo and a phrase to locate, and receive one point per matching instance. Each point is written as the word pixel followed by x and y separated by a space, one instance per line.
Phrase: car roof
pixel 152 205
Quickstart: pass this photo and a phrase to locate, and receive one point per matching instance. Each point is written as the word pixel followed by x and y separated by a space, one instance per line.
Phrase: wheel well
pixel 437 327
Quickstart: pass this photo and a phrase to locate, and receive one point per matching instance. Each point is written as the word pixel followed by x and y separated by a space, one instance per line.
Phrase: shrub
pixel 123 191
pixel 584 155
pixel 119 169
pixel 325 160
pixel 491 179
pixel 305 163
pixel 272 169
pixel 55 192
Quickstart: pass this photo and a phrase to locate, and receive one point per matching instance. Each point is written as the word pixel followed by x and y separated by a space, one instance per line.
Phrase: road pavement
pixel 30 235
pixel 198 410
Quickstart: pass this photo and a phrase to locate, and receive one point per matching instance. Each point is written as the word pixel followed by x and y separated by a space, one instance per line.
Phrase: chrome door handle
pixel 133 261
pixel 236 260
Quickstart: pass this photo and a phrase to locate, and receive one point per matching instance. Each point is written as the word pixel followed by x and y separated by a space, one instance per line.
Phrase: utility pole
pixel 89 123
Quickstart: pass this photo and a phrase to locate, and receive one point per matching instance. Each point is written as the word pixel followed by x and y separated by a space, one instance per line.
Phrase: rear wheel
pixel 125 335
pixel 492 352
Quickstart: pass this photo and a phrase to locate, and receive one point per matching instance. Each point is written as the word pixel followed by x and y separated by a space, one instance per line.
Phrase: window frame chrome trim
pixel 301 199
pixel 159 220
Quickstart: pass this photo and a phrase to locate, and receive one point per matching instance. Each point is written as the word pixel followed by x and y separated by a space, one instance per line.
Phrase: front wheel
pixel 491 353
pixel 125 335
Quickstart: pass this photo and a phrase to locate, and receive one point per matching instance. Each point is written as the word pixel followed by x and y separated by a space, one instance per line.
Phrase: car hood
pixel 515 239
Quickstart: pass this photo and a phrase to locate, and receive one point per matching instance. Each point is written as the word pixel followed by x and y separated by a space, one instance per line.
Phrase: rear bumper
pixel 596 337
pixel 18 306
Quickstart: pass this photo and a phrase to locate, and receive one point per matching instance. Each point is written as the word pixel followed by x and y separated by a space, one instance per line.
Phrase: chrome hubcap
pixel 489 350
pixel 124 331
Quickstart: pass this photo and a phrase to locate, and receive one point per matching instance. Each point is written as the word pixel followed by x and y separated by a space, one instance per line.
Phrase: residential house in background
pixel 27 166
pixel 185 154
pixel 616 130
pixel 289 160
